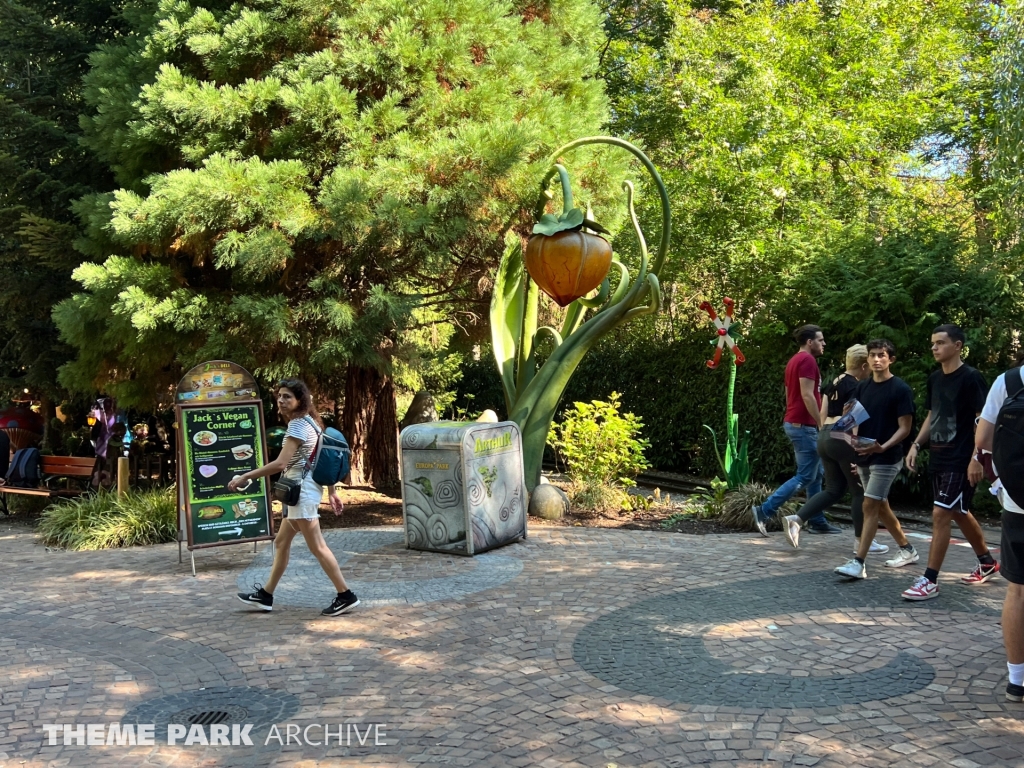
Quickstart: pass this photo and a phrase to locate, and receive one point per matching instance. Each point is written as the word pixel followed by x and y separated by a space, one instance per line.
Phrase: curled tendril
pixel 597 301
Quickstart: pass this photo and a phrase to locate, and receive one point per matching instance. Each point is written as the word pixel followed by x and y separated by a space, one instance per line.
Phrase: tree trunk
pixel 371 427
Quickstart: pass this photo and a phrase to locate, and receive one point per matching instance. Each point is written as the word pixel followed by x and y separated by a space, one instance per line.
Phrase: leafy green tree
pixel 1009 103
pixel 298 176
pixel 43 168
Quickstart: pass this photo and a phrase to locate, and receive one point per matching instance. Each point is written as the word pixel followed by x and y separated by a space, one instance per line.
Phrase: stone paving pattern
pixel 603 647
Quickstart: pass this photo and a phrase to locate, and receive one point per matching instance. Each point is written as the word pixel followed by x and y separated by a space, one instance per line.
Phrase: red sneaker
pixel 981 574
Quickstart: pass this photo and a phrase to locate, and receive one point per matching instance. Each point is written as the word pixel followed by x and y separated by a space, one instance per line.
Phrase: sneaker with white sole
pixel 343 603
pixel 756 512
pixel 922 589
pixel 903 557
pixel 851 569
pixel 260 598
pixel 981 574
pixel 874 549
pixel 791 527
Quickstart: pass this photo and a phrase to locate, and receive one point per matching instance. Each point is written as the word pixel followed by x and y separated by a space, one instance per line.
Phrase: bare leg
pixel 872 507
pixel 971 529
pixel 282 550
pixel 1013 623
pixel 315 541
pixel 892 525
pixel 942 522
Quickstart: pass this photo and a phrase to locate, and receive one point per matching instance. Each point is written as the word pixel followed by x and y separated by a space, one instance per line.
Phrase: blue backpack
pixel 24 469
pixel 331 458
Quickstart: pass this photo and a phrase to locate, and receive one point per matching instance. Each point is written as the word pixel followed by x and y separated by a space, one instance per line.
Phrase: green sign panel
pixel 219 443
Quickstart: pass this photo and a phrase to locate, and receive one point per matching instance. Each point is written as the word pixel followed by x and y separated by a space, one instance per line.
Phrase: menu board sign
pixel 219 442
pixel 219 380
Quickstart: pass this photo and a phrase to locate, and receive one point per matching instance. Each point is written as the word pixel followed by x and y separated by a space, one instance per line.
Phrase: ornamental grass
pixel 104 521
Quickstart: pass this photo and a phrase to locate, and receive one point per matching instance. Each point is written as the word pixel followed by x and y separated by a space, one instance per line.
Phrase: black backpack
pixel 1008 441
pixel 5 453
pixel 24 469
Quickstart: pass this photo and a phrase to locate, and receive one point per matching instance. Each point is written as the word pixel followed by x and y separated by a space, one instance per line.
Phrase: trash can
pixel 463 488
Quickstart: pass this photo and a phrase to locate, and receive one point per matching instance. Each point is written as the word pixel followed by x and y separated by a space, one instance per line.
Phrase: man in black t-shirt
pixel 890 406
pixel 956 395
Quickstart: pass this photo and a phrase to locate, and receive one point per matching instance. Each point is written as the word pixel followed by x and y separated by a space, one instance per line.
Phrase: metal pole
pixel 192 554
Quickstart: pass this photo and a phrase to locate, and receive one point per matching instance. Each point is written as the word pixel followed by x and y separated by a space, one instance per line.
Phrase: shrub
pixel 103 521
pixel 603 452
pixel 736 508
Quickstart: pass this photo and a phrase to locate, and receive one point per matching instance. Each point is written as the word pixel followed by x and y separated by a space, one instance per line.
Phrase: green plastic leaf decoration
pixel 549 224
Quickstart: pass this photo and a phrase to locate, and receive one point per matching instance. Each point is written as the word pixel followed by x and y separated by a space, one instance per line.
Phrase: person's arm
pixel 983 432
pixel 807 393
pixel 291 445
pixel 919 441
pixel 906 423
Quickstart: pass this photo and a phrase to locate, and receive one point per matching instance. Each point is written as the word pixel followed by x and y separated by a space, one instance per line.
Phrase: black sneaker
pixel 260 598
pixel 1014 692
pixel 343 603
pixel 826 528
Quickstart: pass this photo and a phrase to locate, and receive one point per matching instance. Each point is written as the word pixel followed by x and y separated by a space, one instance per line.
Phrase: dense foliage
pixel 325 189
pixel 44 49
pixel 296 177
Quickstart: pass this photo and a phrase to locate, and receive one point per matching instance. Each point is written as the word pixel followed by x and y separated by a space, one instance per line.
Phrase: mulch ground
pixel 366 506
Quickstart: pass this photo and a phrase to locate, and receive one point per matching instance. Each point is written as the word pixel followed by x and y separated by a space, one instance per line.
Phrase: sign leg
pixel 193 555
pixel 179 548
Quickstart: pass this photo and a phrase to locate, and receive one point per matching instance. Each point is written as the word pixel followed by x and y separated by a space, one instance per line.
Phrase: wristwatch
pixel 918 446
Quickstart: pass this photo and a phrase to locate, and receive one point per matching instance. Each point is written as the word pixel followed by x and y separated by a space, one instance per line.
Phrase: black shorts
pixel 1011 548
pixel 952 491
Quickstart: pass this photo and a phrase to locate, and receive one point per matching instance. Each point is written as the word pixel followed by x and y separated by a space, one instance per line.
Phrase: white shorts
pixel 308 507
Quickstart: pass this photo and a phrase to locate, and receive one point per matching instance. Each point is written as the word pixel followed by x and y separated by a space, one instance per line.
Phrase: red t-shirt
pixel 801 366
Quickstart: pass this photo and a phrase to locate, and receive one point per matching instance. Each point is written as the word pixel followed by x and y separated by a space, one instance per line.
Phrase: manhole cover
pixel 244 705
pixel 208 716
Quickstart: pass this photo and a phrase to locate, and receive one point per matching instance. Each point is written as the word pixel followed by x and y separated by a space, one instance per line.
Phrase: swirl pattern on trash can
pixel 413 438
pixel 437 529
pixel 476 492
pixel 446 494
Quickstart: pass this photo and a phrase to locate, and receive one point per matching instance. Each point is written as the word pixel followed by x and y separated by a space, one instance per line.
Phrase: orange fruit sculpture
pixel 568 264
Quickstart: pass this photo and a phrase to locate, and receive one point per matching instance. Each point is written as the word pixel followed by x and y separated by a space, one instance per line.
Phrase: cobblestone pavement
pixel 577 647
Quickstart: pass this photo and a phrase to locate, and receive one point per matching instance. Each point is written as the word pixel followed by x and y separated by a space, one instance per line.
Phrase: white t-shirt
pixel 995 400
pixel 304 430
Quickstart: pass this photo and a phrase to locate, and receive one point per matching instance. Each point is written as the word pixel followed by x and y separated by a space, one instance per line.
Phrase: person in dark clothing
pixel 956 397
pixel 837 457
pixel 889 403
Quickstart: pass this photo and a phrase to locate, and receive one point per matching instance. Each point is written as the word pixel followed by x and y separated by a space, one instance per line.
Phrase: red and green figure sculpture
pixel 736 462
pixel 567 259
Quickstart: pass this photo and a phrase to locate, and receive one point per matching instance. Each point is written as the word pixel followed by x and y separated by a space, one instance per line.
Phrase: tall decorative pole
pixel 567 259
pixel 736 464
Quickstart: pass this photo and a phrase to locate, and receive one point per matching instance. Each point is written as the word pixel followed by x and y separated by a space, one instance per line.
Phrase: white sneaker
pixel 792 529
pixel 903 557
pixel 874 549
pixel 851 569
pixel 922 589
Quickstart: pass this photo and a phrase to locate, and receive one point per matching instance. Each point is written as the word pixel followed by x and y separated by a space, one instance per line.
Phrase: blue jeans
pixel 808 472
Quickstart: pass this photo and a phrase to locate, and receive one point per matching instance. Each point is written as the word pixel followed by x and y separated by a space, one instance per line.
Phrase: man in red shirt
pixel 803 419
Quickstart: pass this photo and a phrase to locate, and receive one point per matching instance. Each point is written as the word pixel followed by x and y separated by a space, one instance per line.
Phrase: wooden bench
pixel 53 469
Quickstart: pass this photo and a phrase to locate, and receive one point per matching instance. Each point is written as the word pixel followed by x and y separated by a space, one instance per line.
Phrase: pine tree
pixel 297 175
pixel 43 168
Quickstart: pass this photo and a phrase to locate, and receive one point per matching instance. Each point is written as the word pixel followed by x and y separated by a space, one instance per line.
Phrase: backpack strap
pixel 1014 382
pixel 312 454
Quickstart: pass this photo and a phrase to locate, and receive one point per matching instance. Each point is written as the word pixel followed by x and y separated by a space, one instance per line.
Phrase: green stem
pixel 563 176
pixel 733 432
